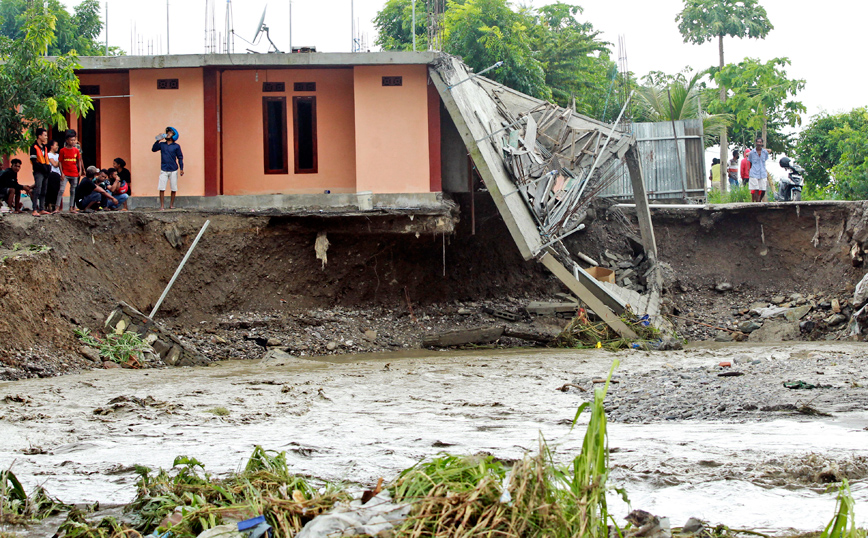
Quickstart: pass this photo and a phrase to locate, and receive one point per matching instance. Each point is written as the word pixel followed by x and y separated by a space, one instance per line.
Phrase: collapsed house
pixel 386 137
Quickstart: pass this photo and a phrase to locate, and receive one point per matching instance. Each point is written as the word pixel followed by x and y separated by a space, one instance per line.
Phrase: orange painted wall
pixel 243 151
pixel 114 117
pixel 392 130
pixel 151 110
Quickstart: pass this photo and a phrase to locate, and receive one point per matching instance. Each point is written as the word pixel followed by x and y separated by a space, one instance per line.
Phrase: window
pixel 393 81
pixel 167 84
pixel 88 89
pixel 274 135
pixel 273 86
pixel 304 87
pixel 304 131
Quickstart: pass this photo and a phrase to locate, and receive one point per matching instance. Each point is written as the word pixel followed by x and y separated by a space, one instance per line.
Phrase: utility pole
pixel 167 27
pixel 106 28
pixel 353 26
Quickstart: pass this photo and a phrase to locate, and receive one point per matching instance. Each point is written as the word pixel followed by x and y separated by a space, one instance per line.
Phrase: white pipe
pixel 178 270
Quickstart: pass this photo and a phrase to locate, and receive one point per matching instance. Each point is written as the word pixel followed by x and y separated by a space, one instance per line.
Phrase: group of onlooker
pixel 752 170
pixel 53 168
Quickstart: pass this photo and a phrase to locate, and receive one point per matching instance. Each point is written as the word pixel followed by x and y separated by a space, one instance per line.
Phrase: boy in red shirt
pixel 71 167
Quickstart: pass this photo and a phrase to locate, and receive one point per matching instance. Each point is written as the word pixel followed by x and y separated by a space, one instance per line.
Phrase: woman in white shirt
pixel 54 198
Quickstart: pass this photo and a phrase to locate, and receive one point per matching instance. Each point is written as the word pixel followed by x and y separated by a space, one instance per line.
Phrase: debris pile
pixel 582 332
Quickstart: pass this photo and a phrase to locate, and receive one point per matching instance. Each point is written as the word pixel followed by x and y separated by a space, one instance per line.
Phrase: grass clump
pixel 219 411
pixel 16 507
pixel 735 195
pixel 186 500
pixel 122 348
pixel 473 496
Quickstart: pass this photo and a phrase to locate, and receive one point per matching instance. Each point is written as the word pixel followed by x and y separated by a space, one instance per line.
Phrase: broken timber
pixel 537 207
pixel 480 335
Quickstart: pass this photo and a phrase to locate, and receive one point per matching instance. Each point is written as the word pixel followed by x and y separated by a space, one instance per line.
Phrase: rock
pixel 161 348
pixel 90 353
pixel 370 335
pixel 723 336
pixel 464 312
pixel 778 299
pixel 807 326
pixel 173 236
pixel 835 319
pixel 775 331
pixel 173 356
pixel 723 286
pixel 150 339
pixel 694 525
pixel 796 296
pixel 669 344
pixel 758 306
pixel 331 346
pixel 860 296
pixel 277 357
pixel 272 342
pixel 108 365
pixel 627 282
pixel 749 326
pixel 797 313
pixel 836 306
pixel 625 265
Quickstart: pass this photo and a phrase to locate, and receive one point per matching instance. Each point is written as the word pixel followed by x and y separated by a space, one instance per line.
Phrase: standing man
pixel 170 152
pixel 759 182
pixel 41 169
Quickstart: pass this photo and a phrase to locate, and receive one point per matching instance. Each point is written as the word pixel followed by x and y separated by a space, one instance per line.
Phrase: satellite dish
pixel 261 22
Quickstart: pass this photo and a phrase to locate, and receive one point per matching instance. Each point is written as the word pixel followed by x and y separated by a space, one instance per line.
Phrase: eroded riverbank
pixel 357 418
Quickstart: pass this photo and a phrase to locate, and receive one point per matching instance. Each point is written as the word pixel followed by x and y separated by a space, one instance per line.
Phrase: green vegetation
pixel 35 91
pixel 219 411
pixel 843 524
pixel 119 348
pixel 761 100
pixel 832 149
pixel 473 496
pixel 76 32
pixel 686 95
pixel 732 196
pixel 16 507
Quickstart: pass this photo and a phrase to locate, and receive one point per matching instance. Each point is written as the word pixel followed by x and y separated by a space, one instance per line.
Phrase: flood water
pixel 362 417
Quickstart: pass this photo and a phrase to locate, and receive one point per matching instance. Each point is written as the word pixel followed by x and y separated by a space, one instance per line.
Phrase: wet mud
pixel 360 417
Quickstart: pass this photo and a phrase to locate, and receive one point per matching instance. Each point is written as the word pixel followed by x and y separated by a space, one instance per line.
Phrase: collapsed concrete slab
pixel 542 164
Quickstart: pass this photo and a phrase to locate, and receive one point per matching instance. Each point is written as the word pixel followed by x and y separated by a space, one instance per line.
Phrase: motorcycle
pixel 791 186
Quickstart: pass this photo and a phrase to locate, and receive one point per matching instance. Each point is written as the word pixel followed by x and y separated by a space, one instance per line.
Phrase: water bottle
pixel 161 136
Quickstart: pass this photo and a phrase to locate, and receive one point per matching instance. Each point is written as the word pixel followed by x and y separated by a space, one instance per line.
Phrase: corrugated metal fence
pixel 669 172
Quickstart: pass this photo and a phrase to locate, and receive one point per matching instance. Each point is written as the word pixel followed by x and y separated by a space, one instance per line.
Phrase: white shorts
pixel 171 177
pixel 757 184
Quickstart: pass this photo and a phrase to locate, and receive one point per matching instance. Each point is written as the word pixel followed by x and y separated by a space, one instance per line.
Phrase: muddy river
pixel 361 417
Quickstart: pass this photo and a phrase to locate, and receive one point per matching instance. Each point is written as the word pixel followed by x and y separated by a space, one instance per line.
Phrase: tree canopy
pixel 832 149
pixel 35 91
pixel 547 52
pixel 73 32
pixel 761 100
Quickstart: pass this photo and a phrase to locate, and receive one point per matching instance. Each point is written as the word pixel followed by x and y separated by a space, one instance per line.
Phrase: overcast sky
pixel 822 39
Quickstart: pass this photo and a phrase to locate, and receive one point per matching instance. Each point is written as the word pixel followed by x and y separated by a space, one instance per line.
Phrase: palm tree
pixel 654 104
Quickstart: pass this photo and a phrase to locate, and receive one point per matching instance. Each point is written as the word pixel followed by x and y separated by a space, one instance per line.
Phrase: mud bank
pixel 359 417
pixel 255 277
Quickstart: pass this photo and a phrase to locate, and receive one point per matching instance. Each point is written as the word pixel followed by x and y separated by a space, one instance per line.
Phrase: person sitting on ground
pixel 88 194
pixel 72 167
pixel 10 189
pixel 119 188
pixel 124 173
pixel 53 201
